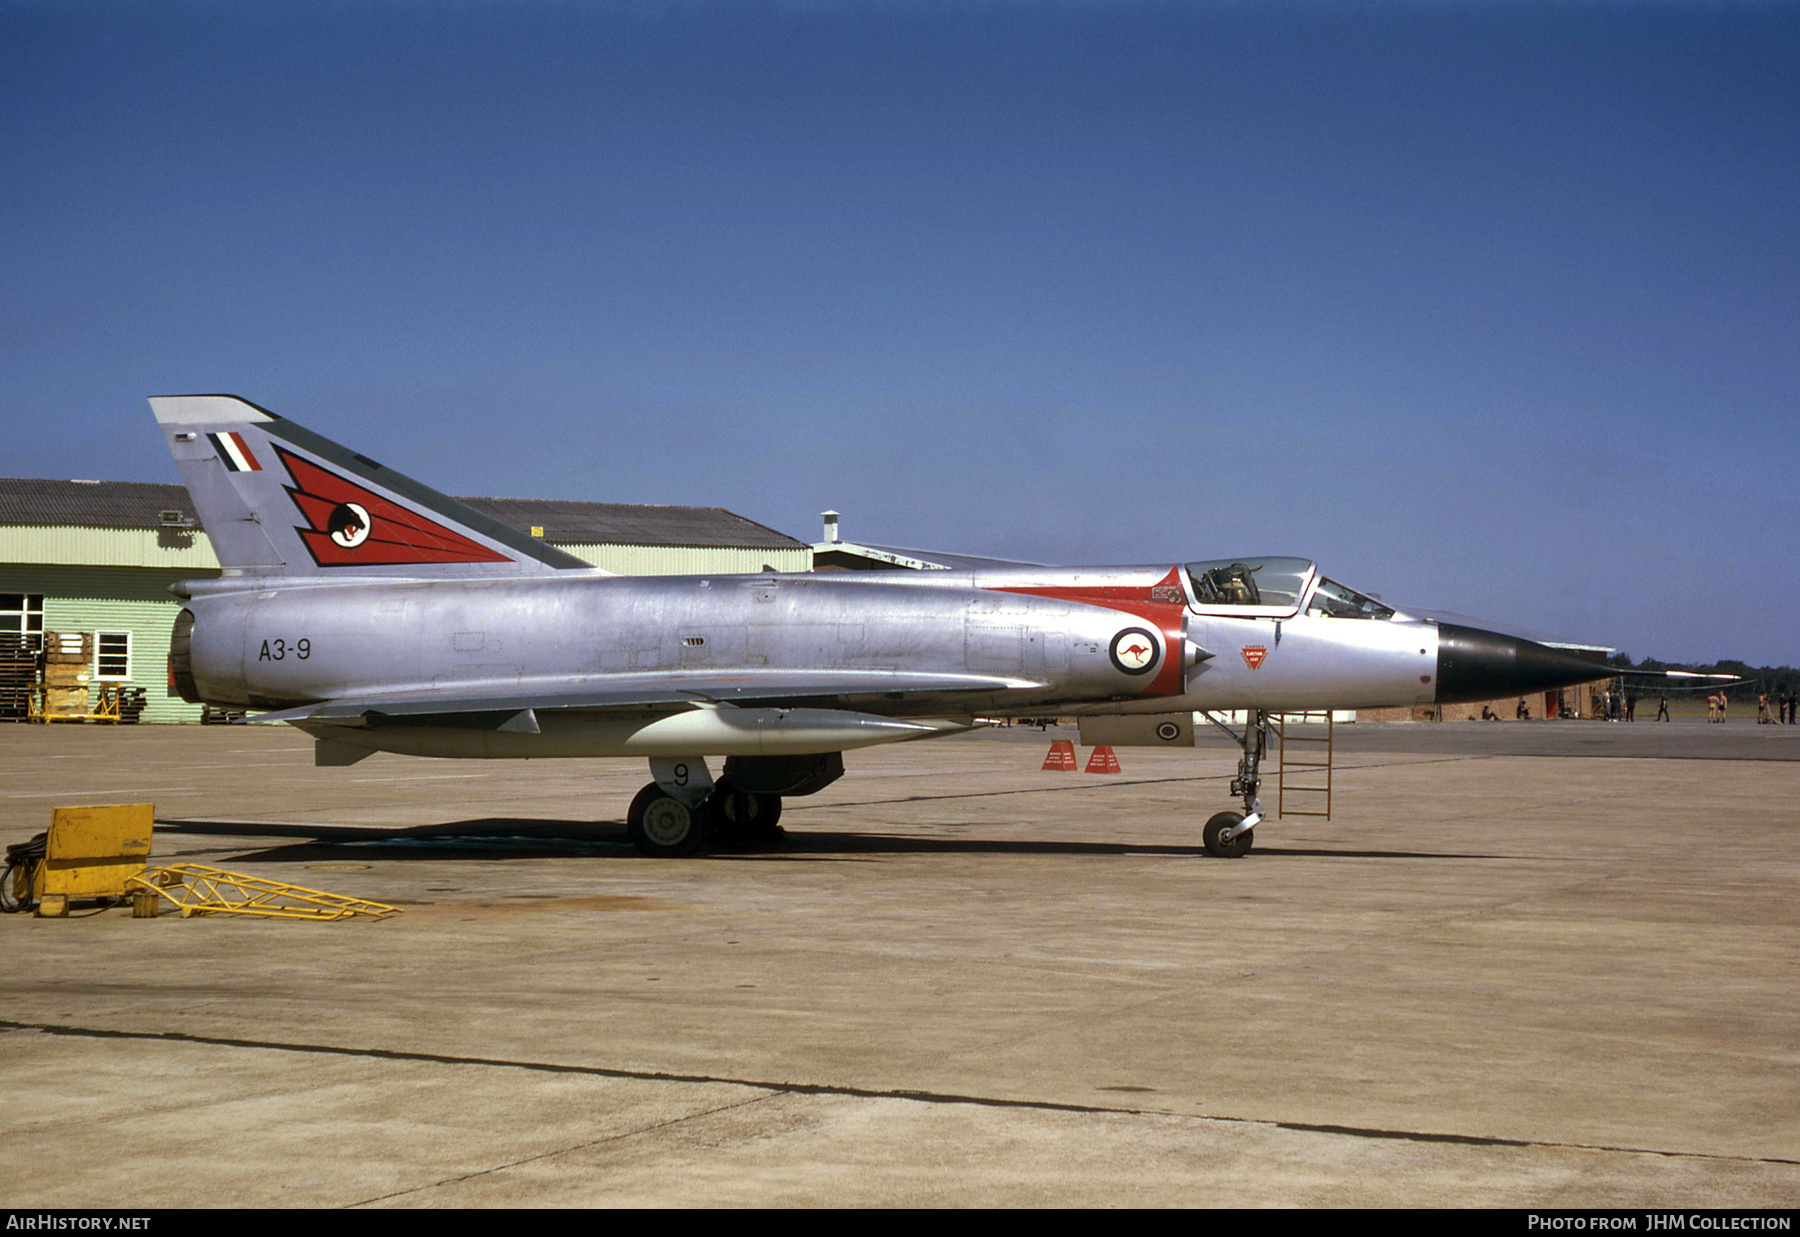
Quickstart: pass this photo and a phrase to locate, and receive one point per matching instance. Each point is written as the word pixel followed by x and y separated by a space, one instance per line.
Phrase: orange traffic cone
pixel 1103 761
pixel 1061 758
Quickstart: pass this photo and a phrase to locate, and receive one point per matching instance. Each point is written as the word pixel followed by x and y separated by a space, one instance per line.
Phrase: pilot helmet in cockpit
pixel 1234 586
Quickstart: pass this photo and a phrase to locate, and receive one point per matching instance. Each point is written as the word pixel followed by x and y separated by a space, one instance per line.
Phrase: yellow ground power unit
pixel 91 852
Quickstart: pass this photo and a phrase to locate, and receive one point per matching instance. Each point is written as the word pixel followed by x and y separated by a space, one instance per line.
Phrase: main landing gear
pixel 743 816
pixel 1228 834
pixel 663 826
pixel 684 812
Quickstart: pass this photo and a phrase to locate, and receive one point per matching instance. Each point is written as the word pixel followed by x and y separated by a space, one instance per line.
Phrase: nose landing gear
pixel 1228 835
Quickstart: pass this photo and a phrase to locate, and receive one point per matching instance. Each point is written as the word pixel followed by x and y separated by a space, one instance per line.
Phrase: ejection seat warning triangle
pixel 1061 758
pixel 1103 761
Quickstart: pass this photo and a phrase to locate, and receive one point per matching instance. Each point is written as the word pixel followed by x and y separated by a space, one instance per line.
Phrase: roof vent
pixel 831 525
pixel 174 519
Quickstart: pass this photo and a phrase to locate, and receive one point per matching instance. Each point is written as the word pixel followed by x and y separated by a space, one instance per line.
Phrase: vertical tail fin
pixel 276 499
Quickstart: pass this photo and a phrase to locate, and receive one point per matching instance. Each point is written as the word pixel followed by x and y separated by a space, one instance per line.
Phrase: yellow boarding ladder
pixel 196 889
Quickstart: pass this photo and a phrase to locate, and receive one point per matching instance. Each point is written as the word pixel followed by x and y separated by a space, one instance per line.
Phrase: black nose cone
pixel 1484 665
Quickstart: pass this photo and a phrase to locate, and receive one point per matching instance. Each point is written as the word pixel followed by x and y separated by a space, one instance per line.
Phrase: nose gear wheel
pixel 1222 847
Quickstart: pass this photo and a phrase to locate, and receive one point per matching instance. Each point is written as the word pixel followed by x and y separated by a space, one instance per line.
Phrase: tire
pixel 1221 848
pixel 743 816
pixel 663 827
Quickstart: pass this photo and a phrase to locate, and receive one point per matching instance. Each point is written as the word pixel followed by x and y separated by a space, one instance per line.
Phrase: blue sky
pixel 1491 308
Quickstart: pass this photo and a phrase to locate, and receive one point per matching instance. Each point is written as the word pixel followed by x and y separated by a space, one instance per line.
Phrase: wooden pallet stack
pixel 68 661
pixel 132 703
pixel 18 674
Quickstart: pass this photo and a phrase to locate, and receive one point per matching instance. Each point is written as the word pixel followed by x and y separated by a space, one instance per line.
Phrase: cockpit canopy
pixel 1259 585
pixel 1275 587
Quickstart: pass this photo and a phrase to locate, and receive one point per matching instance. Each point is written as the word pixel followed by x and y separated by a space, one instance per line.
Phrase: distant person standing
pixel 1762 709
pixel 1662 707
pixel 1712 706
pixel 1630 707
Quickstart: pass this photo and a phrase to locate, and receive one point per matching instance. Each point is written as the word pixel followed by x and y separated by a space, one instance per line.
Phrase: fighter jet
pixel 376 614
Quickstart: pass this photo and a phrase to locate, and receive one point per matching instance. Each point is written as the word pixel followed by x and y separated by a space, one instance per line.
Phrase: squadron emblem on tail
pixel 349 526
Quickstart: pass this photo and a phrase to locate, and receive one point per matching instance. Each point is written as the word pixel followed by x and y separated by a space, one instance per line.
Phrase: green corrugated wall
pixel 681 560
pixel 134 599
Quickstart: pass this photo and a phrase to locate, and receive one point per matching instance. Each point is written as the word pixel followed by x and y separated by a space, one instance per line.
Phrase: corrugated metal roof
pixel 577 523
pixel 139 504
pixel 90 504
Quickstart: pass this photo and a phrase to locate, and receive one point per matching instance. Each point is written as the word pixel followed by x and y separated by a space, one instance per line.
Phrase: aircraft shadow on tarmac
pixel 496 838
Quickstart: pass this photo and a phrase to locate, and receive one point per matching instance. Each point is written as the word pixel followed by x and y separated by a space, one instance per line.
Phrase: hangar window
pixel 1333 600
pixel 112 657
pixel 1271 583
pixel 22 614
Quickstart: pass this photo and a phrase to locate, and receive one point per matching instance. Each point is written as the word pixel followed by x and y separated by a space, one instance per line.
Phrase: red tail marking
pixel 397 536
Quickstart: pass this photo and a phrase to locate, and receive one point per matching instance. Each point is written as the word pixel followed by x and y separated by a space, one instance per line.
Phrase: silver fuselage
pixel 1050 634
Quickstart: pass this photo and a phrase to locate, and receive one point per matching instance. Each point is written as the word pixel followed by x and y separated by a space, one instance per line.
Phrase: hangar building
pixel 836 554
pixel 96 558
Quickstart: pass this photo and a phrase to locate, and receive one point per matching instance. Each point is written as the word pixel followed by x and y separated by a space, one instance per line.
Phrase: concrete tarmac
pixel 1525 965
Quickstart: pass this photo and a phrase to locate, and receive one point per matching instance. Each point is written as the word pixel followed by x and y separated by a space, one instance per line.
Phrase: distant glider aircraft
pixel 377 614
